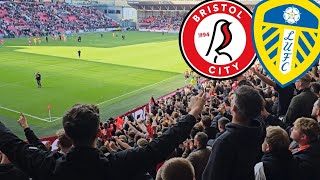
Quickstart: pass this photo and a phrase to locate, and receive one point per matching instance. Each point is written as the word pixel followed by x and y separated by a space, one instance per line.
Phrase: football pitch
pixel 117 75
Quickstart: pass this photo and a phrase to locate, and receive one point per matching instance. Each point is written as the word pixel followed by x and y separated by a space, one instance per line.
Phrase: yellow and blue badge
pixel 286 37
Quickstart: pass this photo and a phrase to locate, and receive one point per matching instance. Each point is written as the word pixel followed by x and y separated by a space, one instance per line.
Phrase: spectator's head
pixel 305 131
pixel 200 140
pixel 315 88
pixel 303 82
pixel 196 128
pixel 176 168
pixel 81 124
pixel 316 110
pixel 206 121
pixel 131 134
pixel 142 142
pixel 175 115
pixel 246 104
pixel 64 142
pixel 276 139
pixel 123 138
pixel 222 123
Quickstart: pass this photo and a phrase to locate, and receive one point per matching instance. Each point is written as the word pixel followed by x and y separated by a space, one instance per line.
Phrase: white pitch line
pixel 131 92
pixel 137 90
pixel 24 114
pixel 97 104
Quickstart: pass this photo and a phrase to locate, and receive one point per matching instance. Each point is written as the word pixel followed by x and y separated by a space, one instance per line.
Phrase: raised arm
pixel 160 148
pixel 25 156
pixel 30 135
pixel 263 78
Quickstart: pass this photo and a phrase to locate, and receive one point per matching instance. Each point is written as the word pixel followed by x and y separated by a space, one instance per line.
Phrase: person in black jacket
pixel 222 122
pixel 210 131
pixel 301 105
pixel 84 161
pixel 9 171
pixel 306 133
pixel 235 152
pixel 277 162
pixel 30 135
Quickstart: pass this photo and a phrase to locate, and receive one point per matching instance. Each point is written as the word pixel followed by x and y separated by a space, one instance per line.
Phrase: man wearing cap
pixel 301 105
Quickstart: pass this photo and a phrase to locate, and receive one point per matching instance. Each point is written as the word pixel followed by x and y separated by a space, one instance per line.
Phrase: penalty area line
pixel 35 117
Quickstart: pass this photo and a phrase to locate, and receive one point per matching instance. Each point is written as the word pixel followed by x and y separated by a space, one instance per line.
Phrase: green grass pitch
pixel 116 74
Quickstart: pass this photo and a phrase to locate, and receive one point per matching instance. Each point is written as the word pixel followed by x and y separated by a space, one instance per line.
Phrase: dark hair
pixel 81 124
pixel 248 101
pixel 206 121
pixel 223 121
pixel 315 87
pixel 202 138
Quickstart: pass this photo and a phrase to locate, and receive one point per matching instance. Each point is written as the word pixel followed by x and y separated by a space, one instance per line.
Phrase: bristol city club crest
pixel 215 39
pixel 286 37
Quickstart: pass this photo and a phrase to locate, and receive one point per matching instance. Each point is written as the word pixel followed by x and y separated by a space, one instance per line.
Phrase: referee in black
pixel 38 78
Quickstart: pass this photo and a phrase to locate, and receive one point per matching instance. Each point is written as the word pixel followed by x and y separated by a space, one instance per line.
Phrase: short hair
pixel 277 138
pixel 223 121
pixel 142 142
pixel 248 101
pixel 175 115
pixel 206 121
pixel 165 124
pixel 124 138
pixel 315 87
pixel 177 168
pixel 131 134
pixel 309 127
pixel 64 140
pixel 306 78
pixel 81 124
pixel 202 138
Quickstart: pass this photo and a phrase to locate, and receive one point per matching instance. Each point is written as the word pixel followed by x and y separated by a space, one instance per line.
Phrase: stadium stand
pixel 164 23
pixel 32 18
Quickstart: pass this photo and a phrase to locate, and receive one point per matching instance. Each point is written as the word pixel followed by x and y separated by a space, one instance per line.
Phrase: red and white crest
pixel 215 39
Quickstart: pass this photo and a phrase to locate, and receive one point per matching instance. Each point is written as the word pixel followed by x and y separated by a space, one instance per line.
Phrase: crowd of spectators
pixel 34 18
pixel 164 23
pixel 245 128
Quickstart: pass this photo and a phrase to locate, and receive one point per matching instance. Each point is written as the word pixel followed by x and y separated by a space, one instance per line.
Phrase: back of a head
pixel 142 142
pixel 315 87
pixel 64 140
pixel 277 138
pixel 223 121
pixel 81 124
pixel 248 101
pixel 202 139
pixel 306 80
pixel 206 121
pixel 177 168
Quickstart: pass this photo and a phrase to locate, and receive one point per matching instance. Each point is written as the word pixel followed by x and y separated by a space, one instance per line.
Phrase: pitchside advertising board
pixel 220 39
